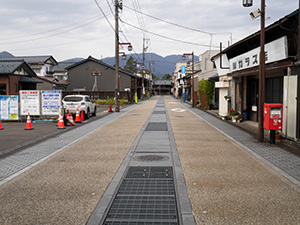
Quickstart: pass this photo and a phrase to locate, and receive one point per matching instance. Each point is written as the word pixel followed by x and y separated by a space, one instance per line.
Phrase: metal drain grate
pixel 159 112
pixel 146 196
pixel 150 158
pixel 147 187
pixel 156 126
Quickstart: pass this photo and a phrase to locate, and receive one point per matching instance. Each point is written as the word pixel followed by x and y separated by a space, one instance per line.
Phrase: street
pixel 220 174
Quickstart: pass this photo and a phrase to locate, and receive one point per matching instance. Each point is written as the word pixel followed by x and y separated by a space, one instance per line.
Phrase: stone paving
pixel 225 183
pixel 286 161
pixel 14 164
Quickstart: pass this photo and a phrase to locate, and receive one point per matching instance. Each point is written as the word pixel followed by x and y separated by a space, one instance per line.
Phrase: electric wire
pixel 48 31
pixel 169 38
pixel 104 15
pixel 50 35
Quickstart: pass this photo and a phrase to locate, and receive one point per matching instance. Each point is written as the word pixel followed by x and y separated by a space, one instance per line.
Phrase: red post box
pixel 273 116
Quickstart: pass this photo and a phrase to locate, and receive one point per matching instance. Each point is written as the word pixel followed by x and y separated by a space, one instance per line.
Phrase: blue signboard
pixel 51 102
pixel 9 107
pixel 183 70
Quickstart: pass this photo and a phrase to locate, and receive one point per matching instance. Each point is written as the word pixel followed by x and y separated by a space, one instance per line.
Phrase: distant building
pixel 43 66
pixel 162 87
pixel 16 75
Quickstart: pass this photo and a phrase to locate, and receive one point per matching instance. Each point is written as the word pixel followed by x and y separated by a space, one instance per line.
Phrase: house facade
pixel 238 76
pixel 80 77
pixel 15 76
pixel 43 66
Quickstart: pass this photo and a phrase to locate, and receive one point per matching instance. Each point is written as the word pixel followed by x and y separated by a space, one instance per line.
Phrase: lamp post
pixel 192 76
pixel 96 74
pixel 261 91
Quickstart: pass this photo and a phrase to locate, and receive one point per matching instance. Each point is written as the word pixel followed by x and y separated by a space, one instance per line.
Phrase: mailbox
pixel 272 116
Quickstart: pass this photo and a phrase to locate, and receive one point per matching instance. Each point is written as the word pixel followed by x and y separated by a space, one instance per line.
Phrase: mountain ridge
pixel 162 65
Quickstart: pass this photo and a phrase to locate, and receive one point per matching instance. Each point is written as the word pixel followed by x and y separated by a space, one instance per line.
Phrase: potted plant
pixel 277 135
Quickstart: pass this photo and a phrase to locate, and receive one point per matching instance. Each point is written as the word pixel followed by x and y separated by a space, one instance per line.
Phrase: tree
pixel 167 77
pixel 206 92
pixel 130 65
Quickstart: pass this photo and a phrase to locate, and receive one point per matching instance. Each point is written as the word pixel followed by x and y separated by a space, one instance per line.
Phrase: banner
pixel 51 102
pixel 30 103
pixel 9 107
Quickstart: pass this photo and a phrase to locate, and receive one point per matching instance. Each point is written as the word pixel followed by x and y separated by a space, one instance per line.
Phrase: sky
pixel 68 29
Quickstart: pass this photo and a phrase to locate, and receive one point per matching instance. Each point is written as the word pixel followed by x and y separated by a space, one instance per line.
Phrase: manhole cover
pixel 148 158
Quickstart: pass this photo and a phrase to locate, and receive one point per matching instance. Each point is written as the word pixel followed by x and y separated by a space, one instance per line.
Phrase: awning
pixel 25 79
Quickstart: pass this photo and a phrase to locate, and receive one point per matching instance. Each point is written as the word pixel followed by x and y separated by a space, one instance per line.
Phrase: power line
pixel 169 38
pixel 50 35
pixel 174 24
pixel 104 15
pixel 48 31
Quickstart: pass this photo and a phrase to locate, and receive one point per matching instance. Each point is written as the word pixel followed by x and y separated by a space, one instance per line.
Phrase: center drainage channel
pixel 146 196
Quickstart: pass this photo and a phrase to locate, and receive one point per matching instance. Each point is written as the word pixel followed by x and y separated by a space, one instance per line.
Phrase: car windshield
pixel 73 99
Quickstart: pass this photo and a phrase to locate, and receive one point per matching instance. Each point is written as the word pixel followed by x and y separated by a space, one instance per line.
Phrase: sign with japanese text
pixel 30 103
pixel 183 70
pixel 51 102
pixel 9 107
pixel 274 51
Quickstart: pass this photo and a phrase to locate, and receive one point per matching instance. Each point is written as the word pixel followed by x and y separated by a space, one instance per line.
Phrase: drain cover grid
pixel 157 126
pixel 146 196
pixel 159 112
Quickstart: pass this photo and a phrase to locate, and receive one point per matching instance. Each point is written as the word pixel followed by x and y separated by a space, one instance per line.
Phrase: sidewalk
pixel 228 181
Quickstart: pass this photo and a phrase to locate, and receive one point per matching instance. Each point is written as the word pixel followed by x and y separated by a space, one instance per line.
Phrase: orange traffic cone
pixel 110 110
pixel 1 126
pixel 82 116
pixel 77 118
pixel 28 123
pixel 61 124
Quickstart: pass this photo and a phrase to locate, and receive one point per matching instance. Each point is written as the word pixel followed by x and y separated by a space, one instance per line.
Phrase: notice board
pixel 51 102
pixel 30 103
pixel 9 107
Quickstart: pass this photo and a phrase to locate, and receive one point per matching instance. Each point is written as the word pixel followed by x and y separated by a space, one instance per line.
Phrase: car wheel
pixel 87 114
pixel 95 111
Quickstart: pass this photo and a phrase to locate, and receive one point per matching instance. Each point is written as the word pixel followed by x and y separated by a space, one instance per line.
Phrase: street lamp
pixel 192 77
pixel 261 91
pixel 123 55
pixel 247 3
pixel 129 46
pixel 96 74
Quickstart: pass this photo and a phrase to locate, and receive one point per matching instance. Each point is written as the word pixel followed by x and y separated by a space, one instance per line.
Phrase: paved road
pixel 62 180
pixel 13 137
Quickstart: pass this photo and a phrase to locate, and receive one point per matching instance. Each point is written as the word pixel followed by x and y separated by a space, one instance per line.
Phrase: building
pixel 43 66
pixel 80 77
pixel 162 87
pixel 16 75
pixel 238 69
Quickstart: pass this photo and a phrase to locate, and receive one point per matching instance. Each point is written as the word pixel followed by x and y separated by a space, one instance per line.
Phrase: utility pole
pixel 298 82
pixel 261 91
pixel 117 86
pixel 143 66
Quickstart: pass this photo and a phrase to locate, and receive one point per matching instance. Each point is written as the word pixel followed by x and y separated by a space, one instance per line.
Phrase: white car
pixel 80 102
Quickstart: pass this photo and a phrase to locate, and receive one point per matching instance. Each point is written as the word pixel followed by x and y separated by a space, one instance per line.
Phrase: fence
pixel 98 94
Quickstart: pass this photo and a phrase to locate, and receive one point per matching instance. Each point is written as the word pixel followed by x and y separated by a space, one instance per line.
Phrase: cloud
pixel 67 29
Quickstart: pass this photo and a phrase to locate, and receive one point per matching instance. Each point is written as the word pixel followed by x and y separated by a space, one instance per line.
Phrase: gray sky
pixel 68 29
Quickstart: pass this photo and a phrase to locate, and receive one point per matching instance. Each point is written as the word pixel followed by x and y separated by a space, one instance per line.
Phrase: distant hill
pixel 5 54
pixel 161 65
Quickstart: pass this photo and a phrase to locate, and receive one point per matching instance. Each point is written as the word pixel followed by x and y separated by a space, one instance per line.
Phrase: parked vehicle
pixel 80 102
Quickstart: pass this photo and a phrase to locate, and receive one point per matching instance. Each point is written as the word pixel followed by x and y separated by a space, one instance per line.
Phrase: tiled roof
pixel 32 59
pixel 61 67
pixel 9 66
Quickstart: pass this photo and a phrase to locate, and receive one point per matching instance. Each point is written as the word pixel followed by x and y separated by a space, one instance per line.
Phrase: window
pixel 2 89
pixel 274 90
